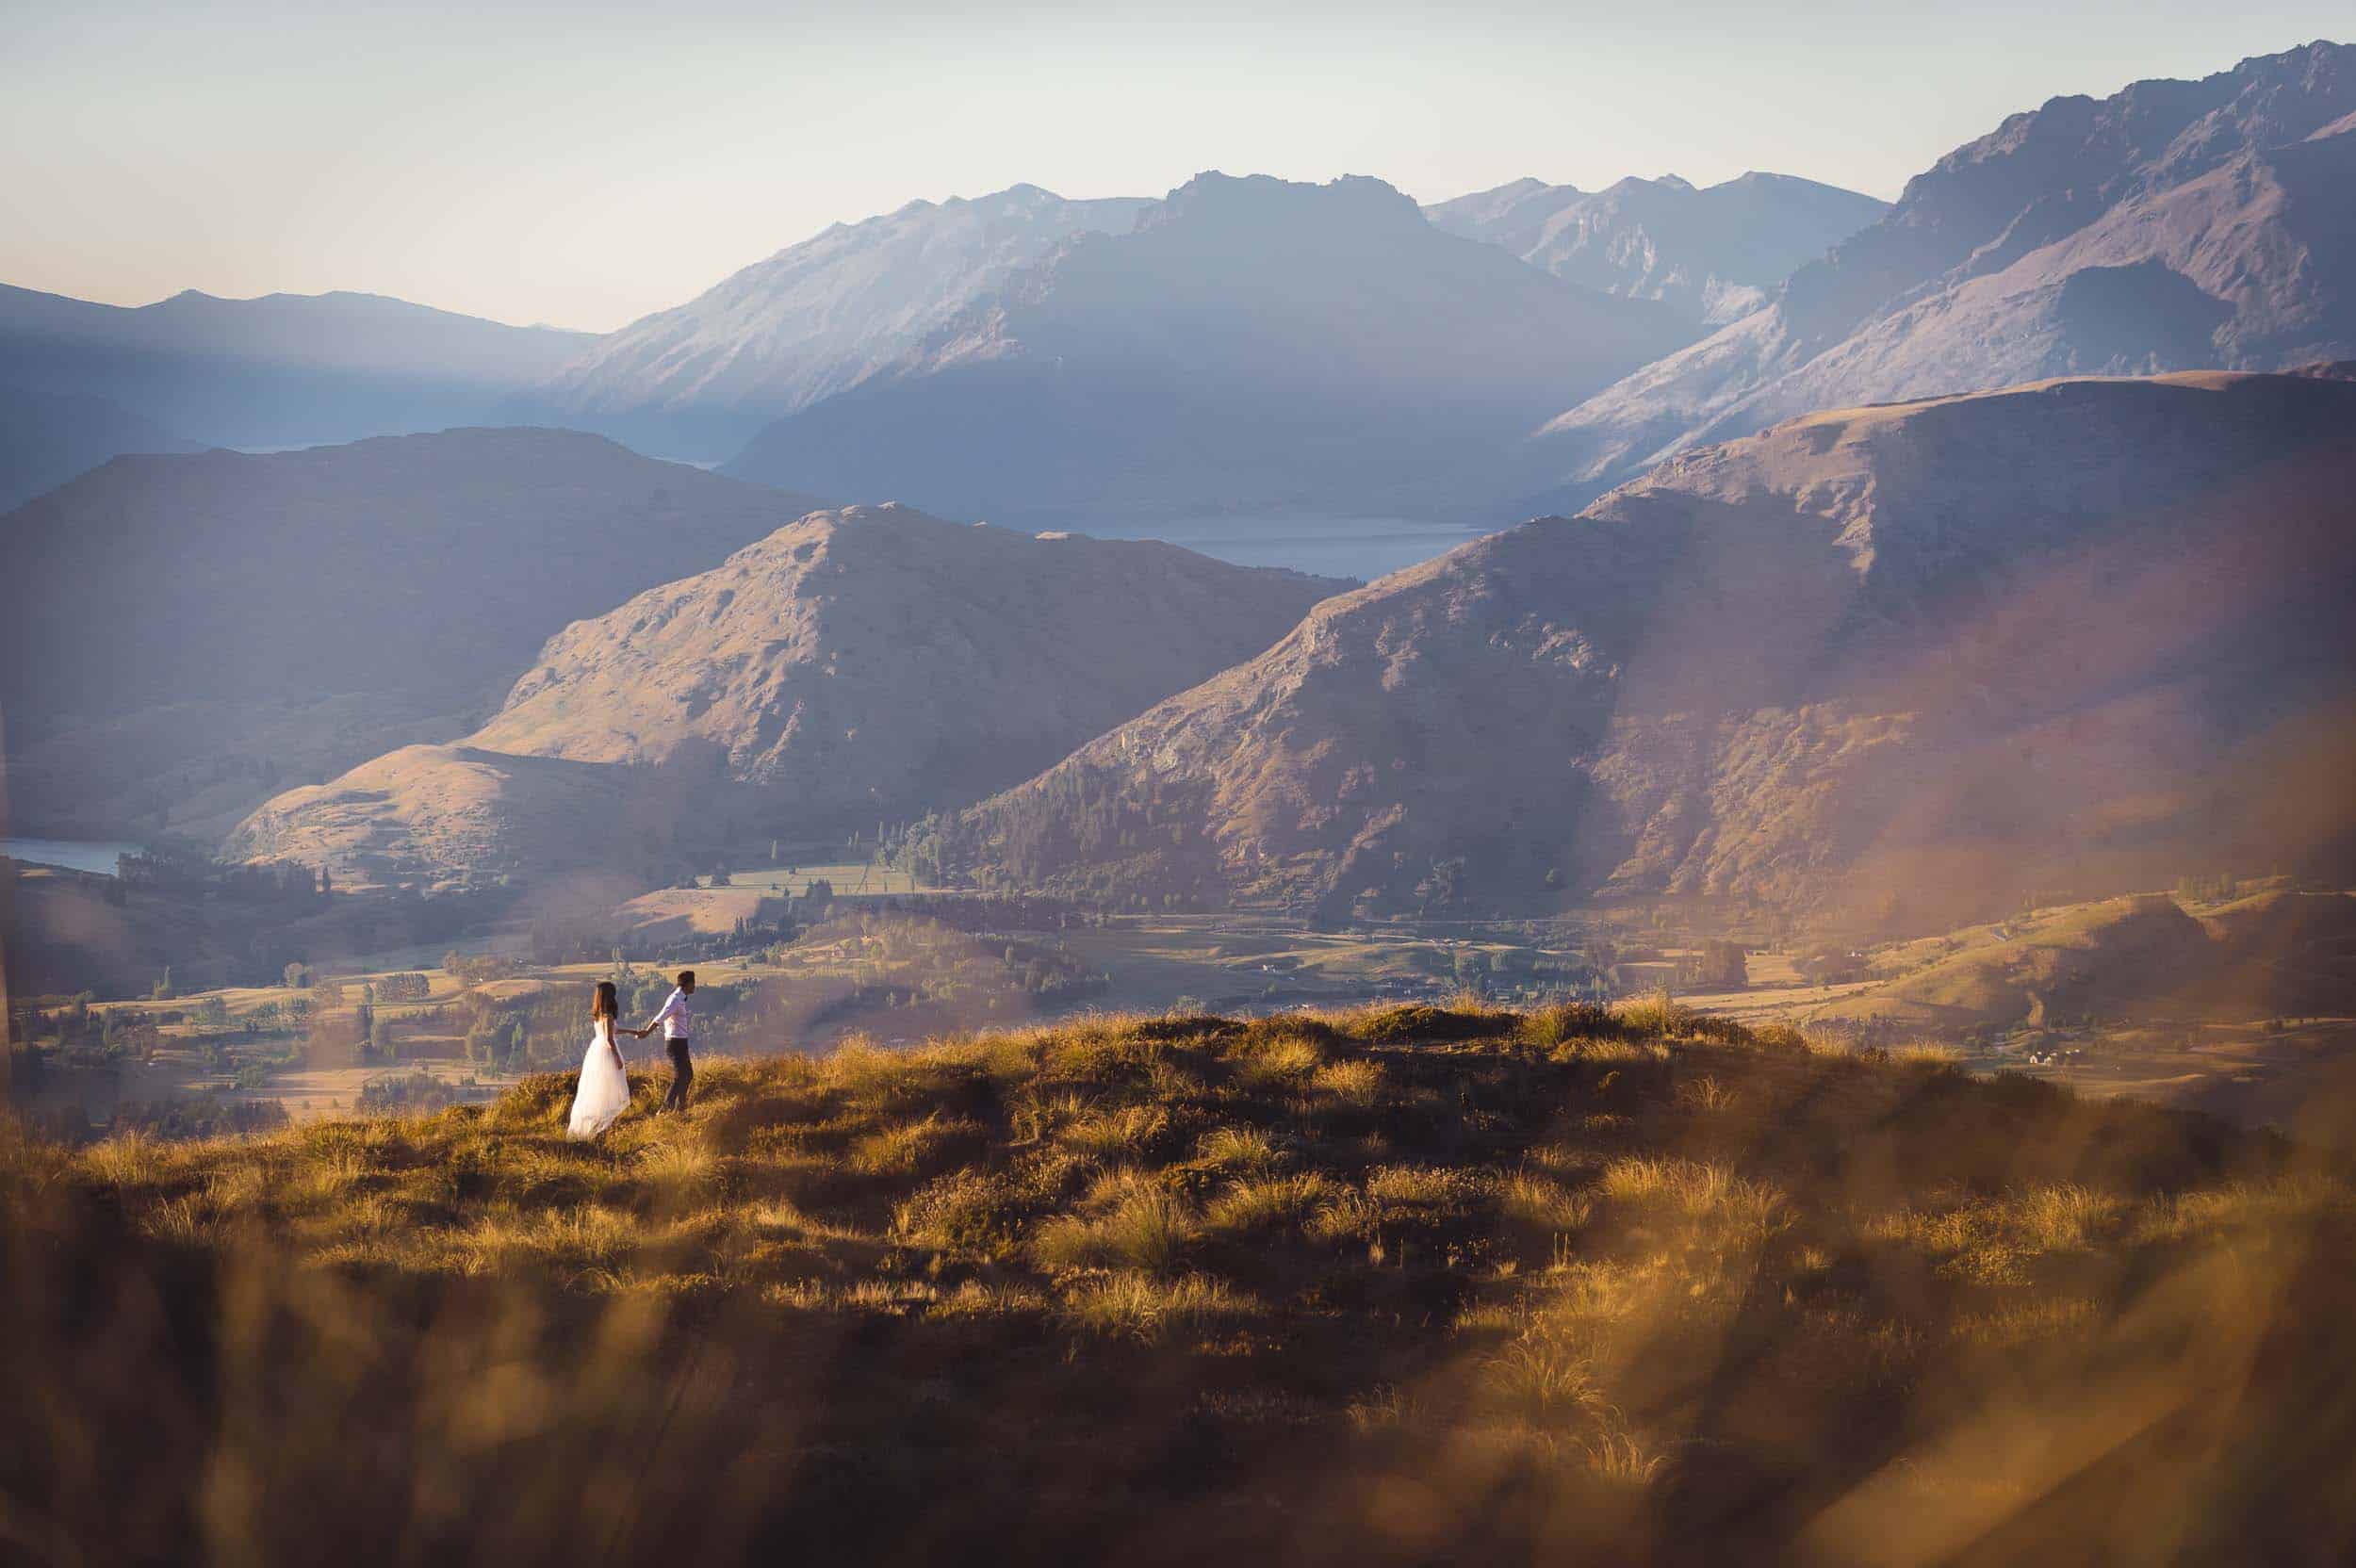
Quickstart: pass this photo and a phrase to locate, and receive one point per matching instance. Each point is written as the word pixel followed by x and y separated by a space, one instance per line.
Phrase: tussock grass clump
pixel 1127 1222
pixel 1351 1083
pixel 2298 1197
pixel 1418 1023
pixel 133 1161
pixel 1654 1016
pixel 1273 1201
pixel 1274 1064
pixel 1999 1240
pixel 1611 1049
pixel 965 1210
pixel 1535 1204
pixel 1119 1133
pixel 2065 1217
pixel 911 1147
pixel 1560 1022
pixel 1541 1381
pixel 1784 1038
pixel 1693 1188
pixel 1316 1031
pixel 1246 1148
pixel 678 1169
pixel 1139 1306
pixel 1426 1186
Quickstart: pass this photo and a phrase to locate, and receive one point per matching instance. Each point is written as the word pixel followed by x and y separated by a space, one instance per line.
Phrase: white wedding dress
pixel 603 1093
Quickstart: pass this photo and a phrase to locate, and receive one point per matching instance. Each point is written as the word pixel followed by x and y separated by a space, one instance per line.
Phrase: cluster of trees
pixel 180 867
pixel 79 1034
pixel 1049 969
pixel 478 969
pixel 400 987
pixel 1081 835
pixel 414 1093
pixel 1719 965
pixel 1524 970
pixel 1832 967
pixel 2206 890
pixel 48 1017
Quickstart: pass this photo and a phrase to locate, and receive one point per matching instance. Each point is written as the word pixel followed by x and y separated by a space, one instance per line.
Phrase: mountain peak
pixel 1711 255
pixel 2173 224
pixel 1220 197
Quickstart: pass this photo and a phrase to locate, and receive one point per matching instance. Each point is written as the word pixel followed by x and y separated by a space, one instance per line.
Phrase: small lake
pixel 72 854
pixel 1362 547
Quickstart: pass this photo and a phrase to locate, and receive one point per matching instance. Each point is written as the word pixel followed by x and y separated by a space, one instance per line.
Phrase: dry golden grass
pixel 1246 1148
pixel 1127 1220
pixel 1399 1284
pixel 1140 1306
pixel 1273 1201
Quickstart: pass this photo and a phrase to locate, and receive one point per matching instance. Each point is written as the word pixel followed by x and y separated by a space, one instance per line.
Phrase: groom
pixel 677 1027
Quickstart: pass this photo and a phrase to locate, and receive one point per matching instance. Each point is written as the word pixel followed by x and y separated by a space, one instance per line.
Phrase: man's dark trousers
pixel 683 1074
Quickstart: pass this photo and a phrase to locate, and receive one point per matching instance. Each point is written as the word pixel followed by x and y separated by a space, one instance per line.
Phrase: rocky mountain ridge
pixel 1252 346
pixel 2174 225
pixel 1713 254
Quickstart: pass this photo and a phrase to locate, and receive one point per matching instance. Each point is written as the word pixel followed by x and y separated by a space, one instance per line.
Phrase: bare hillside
pixel 855 665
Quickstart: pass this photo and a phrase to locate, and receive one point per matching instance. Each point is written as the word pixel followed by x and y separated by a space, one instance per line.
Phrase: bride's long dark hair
pixel 605 1006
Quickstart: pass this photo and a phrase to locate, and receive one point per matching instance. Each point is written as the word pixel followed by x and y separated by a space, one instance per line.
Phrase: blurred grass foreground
pixel 1403 1285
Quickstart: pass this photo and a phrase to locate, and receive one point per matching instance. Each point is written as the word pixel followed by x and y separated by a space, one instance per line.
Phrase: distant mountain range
pixel 1943 651
pixel 855 665
pixel 2174 225
pixel 821 316
pixel 816 319
pixel 186 631
pixel 1251 346
pixel 1712 254
pixel 1246 348
pixel 282 371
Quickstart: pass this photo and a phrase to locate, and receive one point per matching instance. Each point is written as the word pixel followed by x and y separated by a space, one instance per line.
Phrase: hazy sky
pixel 584 163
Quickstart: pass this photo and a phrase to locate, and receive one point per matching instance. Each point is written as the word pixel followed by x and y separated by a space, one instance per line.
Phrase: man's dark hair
pixel 686 977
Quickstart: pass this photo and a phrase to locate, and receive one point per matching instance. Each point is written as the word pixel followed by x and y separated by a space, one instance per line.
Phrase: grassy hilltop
pixel 1407 1286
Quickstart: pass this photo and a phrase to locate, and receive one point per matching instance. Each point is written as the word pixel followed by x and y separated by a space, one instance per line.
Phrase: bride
pixel 603 1091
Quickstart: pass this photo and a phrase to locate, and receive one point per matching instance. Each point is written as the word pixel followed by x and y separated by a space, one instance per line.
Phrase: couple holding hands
pixel 604 1090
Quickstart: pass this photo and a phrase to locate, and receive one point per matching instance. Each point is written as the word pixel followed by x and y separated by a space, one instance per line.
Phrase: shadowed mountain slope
pixel 1934 652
